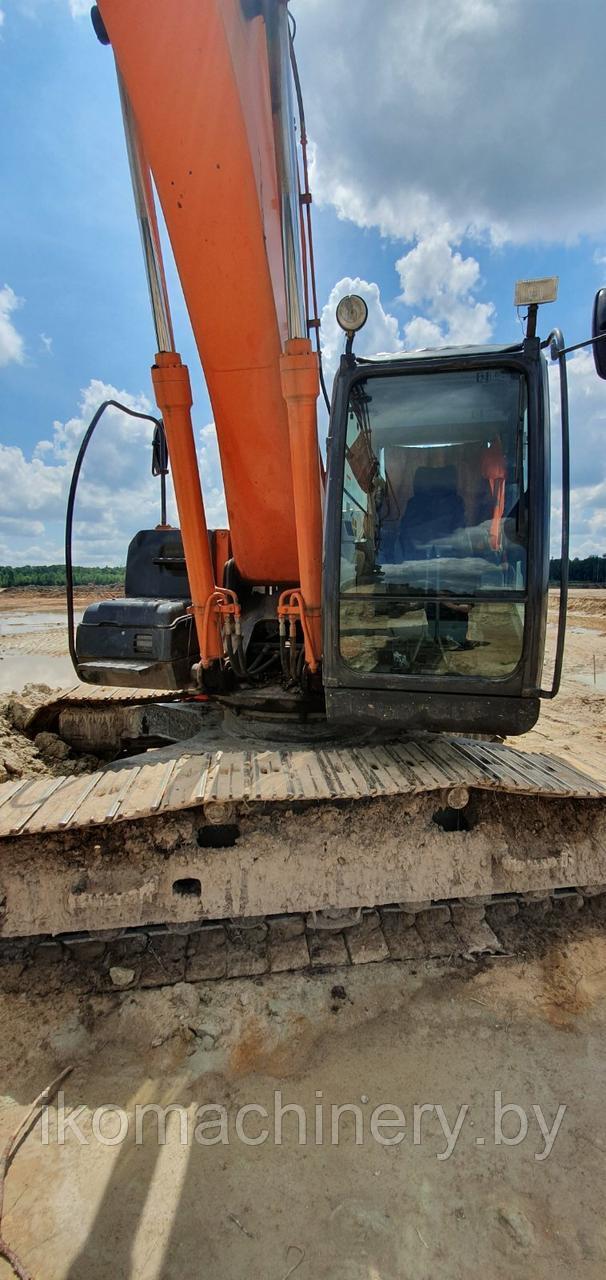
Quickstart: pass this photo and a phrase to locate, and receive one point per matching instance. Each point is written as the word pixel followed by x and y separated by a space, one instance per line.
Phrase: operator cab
pixel 437 550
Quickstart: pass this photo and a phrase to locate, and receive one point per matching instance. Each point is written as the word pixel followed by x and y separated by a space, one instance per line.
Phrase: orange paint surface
pixel 197 77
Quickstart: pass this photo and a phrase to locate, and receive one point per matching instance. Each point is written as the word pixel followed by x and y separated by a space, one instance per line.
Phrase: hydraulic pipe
pixel 148 224
pixel 300 387
pixel 288 172
pixel 173 395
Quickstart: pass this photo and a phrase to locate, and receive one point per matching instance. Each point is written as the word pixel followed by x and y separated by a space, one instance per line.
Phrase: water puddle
pixel 18 669
pixel 598 683
pixel 19 621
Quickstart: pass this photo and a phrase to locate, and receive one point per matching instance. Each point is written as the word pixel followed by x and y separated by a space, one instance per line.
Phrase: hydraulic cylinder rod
pixel 173 395
pixel 300 386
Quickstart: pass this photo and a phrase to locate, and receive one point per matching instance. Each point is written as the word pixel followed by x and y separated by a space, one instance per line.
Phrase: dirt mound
pixel 587 603
pixel 19 758
pixel 22 757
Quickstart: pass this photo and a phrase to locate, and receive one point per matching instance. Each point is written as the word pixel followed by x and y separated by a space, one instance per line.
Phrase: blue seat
pixel 433 513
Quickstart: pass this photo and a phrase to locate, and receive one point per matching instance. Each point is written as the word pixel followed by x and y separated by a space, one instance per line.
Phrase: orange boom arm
pixel 197 76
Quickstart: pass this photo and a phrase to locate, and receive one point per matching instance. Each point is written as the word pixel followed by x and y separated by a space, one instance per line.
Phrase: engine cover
pixel 137 642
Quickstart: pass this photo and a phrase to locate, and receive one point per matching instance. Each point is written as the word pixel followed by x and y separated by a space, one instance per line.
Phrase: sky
pixel 456 146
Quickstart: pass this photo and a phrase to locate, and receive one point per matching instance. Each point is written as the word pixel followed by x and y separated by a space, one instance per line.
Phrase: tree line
pixel 53 575
pixel 590 571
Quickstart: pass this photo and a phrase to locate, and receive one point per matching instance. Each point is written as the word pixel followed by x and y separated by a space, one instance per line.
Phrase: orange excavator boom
pixel 209 119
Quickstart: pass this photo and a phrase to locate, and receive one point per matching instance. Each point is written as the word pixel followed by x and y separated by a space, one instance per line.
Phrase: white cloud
pixel 17 552
pixel 211 479
pixel 421 332
pixel 78 8
pixel 11 342
pixel 587 397
pixel 432 275
pixel 11 525
pixel 380 333
pixel 467 116
pixel 588 521
pixel 435 275
pixel 2 17
pixel 117 494
pixel 432 270
pixel 47 342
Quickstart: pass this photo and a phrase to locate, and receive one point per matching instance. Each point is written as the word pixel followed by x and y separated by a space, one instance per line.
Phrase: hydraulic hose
pixel 69 517
pixel 313 322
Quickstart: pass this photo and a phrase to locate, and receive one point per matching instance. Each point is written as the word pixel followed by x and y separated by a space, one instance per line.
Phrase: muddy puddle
pixel 597 682
pixel 25 621
pixel 19 669
pixel 34 649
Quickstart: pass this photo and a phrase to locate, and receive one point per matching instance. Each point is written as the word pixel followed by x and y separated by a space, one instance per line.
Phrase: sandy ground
pixel 573 725
pixel 444 1036
pixel 51 597
pixel 346 1207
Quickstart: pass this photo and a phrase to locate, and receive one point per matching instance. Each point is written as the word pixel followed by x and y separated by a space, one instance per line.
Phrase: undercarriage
pixel 221 836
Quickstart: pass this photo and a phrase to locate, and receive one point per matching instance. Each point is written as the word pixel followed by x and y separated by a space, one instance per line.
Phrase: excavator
pixel 310 704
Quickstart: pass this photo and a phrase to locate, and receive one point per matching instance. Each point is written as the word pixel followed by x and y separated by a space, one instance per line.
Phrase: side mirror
pixel 598 330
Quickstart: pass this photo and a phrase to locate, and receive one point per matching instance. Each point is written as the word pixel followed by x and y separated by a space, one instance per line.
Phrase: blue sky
pixel 450 158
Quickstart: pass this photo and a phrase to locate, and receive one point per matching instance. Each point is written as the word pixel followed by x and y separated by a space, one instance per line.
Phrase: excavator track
pixel 83 697
pixel 106 720
pixel 206 831
pixel 456 933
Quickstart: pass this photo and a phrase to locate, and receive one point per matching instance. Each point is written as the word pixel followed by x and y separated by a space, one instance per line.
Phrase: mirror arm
pixel 558 352
pixel 600 337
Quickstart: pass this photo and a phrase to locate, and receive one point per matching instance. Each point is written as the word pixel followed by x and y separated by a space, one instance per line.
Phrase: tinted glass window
pixel 434 523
